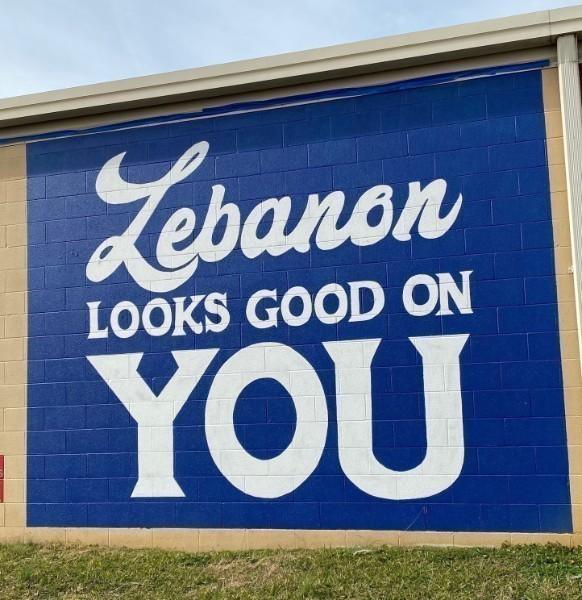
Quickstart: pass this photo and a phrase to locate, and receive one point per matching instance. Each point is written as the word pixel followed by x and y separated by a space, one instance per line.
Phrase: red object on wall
pixel 1 477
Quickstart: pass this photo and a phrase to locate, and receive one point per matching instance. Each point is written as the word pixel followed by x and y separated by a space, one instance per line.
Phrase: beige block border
pixel 569 346
pixel 13 366
pixel 207 540
pixel 13 333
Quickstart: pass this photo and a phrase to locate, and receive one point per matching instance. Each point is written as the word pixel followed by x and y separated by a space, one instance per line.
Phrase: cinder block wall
pixel 497 139
pixel 13 337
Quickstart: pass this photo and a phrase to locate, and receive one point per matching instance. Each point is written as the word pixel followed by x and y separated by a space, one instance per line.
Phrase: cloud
pixel 50 44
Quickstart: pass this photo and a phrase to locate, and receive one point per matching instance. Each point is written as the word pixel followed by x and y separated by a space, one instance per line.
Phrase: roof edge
pixel 519 32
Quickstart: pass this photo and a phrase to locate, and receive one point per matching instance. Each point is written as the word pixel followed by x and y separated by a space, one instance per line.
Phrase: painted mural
pixel 334 313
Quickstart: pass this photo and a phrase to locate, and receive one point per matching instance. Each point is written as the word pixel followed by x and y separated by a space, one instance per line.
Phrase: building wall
pixel 503 409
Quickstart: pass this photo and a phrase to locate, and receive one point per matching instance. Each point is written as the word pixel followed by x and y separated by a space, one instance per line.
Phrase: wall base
pixel 205 540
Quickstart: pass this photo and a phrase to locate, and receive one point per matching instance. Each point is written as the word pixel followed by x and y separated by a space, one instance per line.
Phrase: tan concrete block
pixel 12 442
pixel 575 430
pixel 426 538
pixel 16 235
pixel 12 258
pixel 3 185
pixel 560 210
pixel 14 303
pixel 13 167
pixel 16 280
pixel 483 540
pixel 569 345
pixel 87 536
pixel 576 488
pixel 562 233
pixel 14 490
pixel 575 459
pixel 15 515
pixel 573 409
pixel 15 373
pixel 12 349
pixel 564 539
pixel 565 284
pixel 2 373
pixel 184 540
pixel 13 396
pixel 130 538
pixel 555 151
pixel 11 535
pixel 14 326
pixel 2 328
pixel 12 213
pixel 573 401
pixel 572 373
pixel 45 535
pixel 557 178
pixel 567 316
pixel 3 236
pixel 563 260
pixel 258 539
pixel 577 516
pixel 221 539
pixel 14 419
pixel 554 124
pixel 12 150
pixel 1 515
pixel 16 190
pixel 576 540
pixel 320 539
pixel 551 89
pixel 372 538
pixel 15 466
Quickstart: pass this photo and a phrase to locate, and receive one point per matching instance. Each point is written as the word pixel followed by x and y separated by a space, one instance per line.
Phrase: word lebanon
pixel 178 254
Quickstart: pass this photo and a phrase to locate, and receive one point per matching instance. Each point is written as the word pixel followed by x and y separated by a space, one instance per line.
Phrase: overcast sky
pixel 51 44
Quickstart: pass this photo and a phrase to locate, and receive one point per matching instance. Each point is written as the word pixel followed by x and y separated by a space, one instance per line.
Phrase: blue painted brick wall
pixel 486 137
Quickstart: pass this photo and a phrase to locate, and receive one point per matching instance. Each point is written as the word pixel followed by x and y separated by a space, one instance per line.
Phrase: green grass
pixel 526 572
